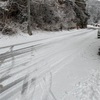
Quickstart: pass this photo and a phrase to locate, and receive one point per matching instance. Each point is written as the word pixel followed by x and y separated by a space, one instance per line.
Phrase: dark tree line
pixel 50 15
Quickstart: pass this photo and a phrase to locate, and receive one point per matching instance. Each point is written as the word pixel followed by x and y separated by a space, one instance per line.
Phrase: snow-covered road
pixel 50 66
pixel 82 67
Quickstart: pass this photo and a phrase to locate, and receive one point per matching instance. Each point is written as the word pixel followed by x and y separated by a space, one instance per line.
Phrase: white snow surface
pixel 65 66
pixel 92 27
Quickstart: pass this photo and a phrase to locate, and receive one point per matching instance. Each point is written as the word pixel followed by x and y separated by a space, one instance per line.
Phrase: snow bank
pixel 88 90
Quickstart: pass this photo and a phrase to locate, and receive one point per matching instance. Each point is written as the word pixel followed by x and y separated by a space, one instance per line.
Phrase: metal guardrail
pixel 22 67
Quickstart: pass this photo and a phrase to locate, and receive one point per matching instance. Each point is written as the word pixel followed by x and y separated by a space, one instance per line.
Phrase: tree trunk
pixel 29 18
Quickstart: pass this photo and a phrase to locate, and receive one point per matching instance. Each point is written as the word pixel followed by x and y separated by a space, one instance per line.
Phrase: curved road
pixel 47 69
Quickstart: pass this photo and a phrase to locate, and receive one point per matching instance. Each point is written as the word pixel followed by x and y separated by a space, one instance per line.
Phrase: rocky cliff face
pixel 45 14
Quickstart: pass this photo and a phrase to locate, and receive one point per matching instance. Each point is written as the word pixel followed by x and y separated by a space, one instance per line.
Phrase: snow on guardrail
pixel 22 65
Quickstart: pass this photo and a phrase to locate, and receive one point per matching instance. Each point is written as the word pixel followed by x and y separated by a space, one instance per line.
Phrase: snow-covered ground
pixel 92 27
pixel 58 66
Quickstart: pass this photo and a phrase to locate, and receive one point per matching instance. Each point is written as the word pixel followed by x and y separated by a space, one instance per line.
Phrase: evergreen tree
pixel 81 13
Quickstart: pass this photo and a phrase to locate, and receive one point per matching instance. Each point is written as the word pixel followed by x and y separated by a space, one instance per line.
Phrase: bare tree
pixel 29 18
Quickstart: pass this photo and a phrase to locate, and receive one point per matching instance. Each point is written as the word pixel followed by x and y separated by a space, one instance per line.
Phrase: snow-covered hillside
pixel 50 66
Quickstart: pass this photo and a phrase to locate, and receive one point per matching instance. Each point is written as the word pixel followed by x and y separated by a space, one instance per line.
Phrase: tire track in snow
pixel 9 86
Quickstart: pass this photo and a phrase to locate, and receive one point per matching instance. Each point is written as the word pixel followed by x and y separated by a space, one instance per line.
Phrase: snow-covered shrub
pixel 8 31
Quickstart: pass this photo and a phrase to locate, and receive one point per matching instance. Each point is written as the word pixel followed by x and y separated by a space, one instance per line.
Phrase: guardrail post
pixel 31 55
pixel 12 64
pixel 13 60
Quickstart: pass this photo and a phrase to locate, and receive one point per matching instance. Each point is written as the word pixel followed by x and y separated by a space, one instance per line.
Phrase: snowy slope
pixel 55 66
